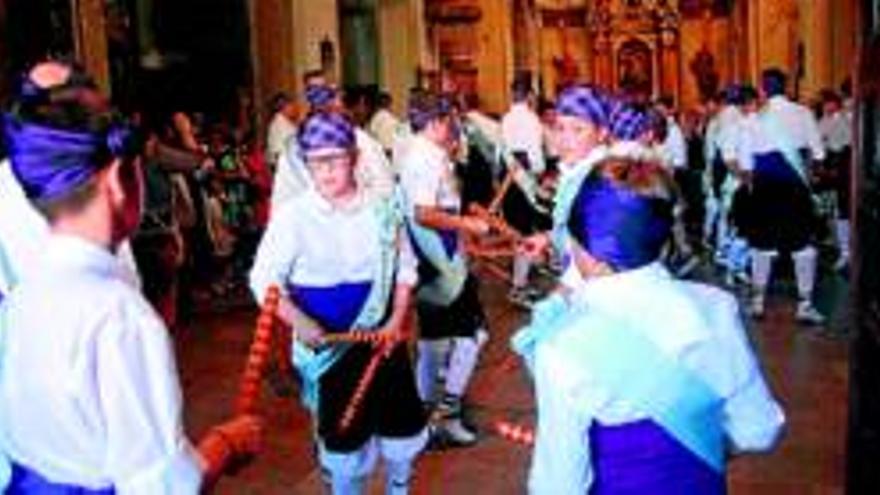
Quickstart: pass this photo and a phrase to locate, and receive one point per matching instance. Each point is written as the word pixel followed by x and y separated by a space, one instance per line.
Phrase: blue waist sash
pixel 438 249
pixel 26 481
pixel 641 457
pixel 629 364
pixel 335 308
pixel 775 167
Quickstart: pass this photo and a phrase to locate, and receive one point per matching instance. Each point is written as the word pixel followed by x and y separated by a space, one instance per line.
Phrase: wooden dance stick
pixel 496 202
pixel 495 222
pixel 258 355
pixel 360 392
pixel 361 337
pixel 515 433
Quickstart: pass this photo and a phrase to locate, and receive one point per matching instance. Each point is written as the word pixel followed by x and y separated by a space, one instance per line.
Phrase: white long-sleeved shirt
pixel 722 134
pixel 695 325
pixel 281 129
pixel 836 130
pixel 522 130
pixel 24 232
pixel 427 176
pixel 373 170
pixel 88 382
pixel 799 123
pixel 675 146
pixel 383 126
pixel 310 243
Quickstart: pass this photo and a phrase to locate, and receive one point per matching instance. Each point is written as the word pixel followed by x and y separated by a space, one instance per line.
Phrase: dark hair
pixel 774 82
pixel 747 94
pixel 666 101
pixel 278 101
pixel 846 87
pixel 521 89
pixel 383 100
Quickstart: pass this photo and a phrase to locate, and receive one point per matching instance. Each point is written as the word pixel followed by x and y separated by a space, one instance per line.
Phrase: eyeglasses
pixel 329 161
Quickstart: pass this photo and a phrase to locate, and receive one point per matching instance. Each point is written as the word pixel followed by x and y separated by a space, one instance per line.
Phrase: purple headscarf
pixel 628 123
pixel 319 95
pixel 618 226
pixel 49 162
pixel 585 102
pixel 421 114
pixel 326 130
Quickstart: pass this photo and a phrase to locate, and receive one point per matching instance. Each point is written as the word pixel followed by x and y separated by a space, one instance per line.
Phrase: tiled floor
pixel 806 370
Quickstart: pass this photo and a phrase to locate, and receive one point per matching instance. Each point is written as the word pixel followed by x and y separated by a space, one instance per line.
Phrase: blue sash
pixel 26 481
pixel 440 250
pixel 641 457
pixel 632 366
pixel 311 363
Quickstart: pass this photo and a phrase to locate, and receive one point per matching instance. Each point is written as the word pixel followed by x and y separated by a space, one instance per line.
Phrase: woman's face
pixel 574 138
pixel 332 173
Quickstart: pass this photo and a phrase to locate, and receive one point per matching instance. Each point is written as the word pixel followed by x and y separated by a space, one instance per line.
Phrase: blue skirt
pixel 641 457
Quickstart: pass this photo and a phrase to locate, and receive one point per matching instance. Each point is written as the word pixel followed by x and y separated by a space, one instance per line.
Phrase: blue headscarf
pixel 619 226
pixel 627 122
pixel 326 130
pixel 50 162
pixel 423 109
pixel 319 95
pixel 585 102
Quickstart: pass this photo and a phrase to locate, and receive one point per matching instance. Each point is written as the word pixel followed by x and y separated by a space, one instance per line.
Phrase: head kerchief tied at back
pixel 319 95
pixel 425 106
pixel 50 162
pixel 326 131
pixel 618 226
pixel 628 123
pixel 587 103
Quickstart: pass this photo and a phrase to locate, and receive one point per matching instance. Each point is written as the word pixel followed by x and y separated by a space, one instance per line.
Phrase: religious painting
pixel 635 68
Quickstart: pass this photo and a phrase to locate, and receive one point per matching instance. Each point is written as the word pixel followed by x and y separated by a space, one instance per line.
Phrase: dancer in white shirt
pixel 102 411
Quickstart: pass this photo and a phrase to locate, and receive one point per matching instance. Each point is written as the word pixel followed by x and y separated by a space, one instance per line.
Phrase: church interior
pixel 230 57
